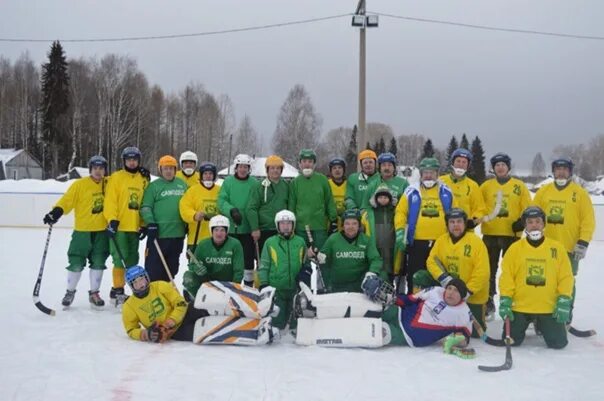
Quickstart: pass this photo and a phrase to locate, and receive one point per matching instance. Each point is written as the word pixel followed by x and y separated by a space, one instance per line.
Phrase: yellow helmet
pixel 167 161
pixel 273 160
pixel 367 154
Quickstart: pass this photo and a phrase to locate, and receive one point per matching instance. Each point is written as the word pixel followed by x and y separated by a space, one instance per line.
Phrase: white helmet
pixel 188 156
pixel 243 159
pixel 285 215
pixel 219 221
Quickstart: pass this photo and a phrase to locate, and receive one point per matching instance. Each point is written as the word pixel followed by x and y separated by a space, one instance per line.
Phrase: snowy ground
pixel 85 354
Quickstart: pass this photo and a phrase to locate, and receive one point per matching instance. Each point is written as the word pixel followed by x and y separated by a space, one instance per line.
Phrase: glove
pixel 580 250
pixel 111 229
pixel 505 308
pixel 471 224
pixel 400 243
pixel 562 310
pixel 452 341
pixel 145 173
pixel 236 216
pixel 321 258
pixel 333 228
pixel 154 333
pixel 142 233
pixel 152 232
pixel 517 226
pixel 444 279
pixel 262 286
pixel 53 216
pixel 199 268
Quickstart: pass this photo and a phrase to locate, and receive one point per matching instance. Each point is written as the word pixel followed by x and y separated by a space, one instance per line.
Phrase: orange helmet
pixel 367 154
pixel 273 160
pixel 167 161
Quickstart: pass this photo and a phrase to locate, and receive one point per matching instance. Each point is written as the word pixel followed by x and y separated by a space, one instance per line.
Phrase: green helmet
pixel 352 214
pixel 429 163
pixel 307 154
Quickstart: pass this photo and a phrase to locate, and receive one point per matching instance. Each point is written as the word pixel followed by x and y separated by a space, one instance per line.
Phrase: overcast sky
pixel 520 93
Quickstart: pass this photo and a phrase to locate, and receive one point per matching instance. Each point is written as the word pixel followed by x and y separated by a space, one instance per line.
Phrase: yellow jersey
pixel 199 199
pixel 467 193
pixel 85 196
pixel 515 198
pixel 569 211
pixel 467 259
pixel 190 180
pixel 162 302
pixel 123 199
pixel 338 192
pixel 534 277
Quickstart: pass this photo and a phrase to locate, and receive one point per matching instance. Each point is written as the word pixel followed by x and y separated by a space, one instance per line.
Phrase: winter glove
pixel 580 250
pixel 111 229
pixel 452 341
pixel 152 232
pixel 470 224
pixel 142 233
pixel 517 226
pixel 236 216
pixel 145 173
pixel 562 310
pixel 199 268
pixel 505 308
pixel 53 216
pixel 400 244
pixel 154 333
pixel 333 228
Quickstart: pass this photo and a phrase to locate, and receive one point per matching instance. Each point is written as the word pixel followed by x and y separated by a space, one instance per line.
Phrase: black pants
pixel 249 251
pixel 496 245
pixel 171 248
pixel 185 331
pixel 415 260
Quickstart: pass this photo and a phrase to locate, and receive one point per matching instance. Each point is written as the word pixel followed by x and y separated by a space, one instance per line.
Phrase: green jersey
pixel 235 193
pixel 265 201
pixel 281 261
pixel 356 188
pixel 348 260
pixel 311 200
pixel 160 206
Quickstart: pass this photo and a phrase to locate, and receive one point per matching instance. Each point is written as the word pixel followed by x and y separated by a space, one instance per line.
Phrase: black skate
pixel 96 302
pixel 117 296
pixel 68 298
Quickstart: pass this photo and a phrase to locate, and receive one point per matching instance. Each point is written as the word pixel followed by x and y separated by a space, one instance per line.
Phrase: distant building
pixel 18 164
pixel 75 172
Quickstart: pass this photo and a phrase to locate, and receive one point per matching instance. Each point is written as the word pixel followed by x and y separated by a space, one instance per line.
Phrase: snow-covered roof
pixel 8 154
pixel 258 169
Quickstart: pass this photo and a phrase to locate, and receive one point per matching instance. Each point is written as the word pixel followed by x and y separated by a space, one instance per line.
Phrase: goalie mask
pixel 376 289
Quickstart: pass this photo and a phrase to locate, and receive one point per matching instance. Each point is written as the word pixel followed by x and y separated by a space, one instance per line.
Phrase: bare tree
pixel 538 166
pixel 298 125
pixel 410 149
pixel 377 131
pixel 247 138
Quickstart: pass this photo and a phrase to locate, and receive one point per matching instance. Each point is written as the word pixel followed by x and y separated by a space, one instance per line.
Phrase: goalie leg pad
pixel 224 298
pixel 233 330
pixel 345 304
pixel 352 332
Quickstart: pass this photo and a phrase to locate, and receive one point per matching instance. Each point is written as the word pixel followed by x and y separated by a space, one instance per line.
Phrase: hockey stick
pixel 483 336
pixel 36 294
pixel 581 333
pixel 196 235
pixel 163 261
pixel 319 276
pixel 507 364
pixel 496 209
pixel 257 249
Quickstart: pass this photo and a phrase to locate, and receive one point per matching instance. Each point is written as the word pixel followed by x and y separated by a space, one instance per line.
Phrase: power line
pixel 490 28
pixel 185 35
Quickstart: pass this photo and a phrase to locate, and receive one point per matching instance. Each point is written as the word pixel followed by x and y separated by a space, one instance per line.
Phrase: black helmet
pixel 563 162
pixel 337 162
pixel 532 211
pixel 456 213
pixel 98 161
pixel 501 157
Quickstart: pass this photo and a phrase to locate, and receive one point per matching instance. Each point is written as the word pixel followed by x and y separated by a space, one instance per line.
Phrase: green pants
pixel 87 245
pixel 319 236
pixel 554 333
pixel 128 246
pixel 390 317
pixel 284 300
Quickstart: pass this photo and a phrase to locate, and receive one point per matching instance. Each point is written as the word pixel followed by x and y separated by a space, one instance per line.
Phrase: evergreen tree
pixel 477 168
pixel 538 166
pixel 393 148
pixel 54 108
pixel 368 146
pixel 464 143
pixel 451 148
pixel 428 149
pixel 382 145
pixel 351 154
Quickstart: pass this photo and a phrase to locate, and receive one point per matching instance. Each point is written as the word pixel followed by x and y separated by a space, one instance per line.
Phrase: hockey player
pixel 337 183
pixel 357 183
pixel 233 200
pixel 188 169
pixel 500 233
pixel 157 312
pixel 311 200
pixel 266 200
pixel 219 257
pixel 121 209
pixel 464 256
pixel 88 240
pixel 282 257
pixel 569 211
pixel 165 228
pixel 378 222
pixel 388 176
pixel 199 205
pixel 466 191
pixel 347 255
pixel 419 219
pixel 536 283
